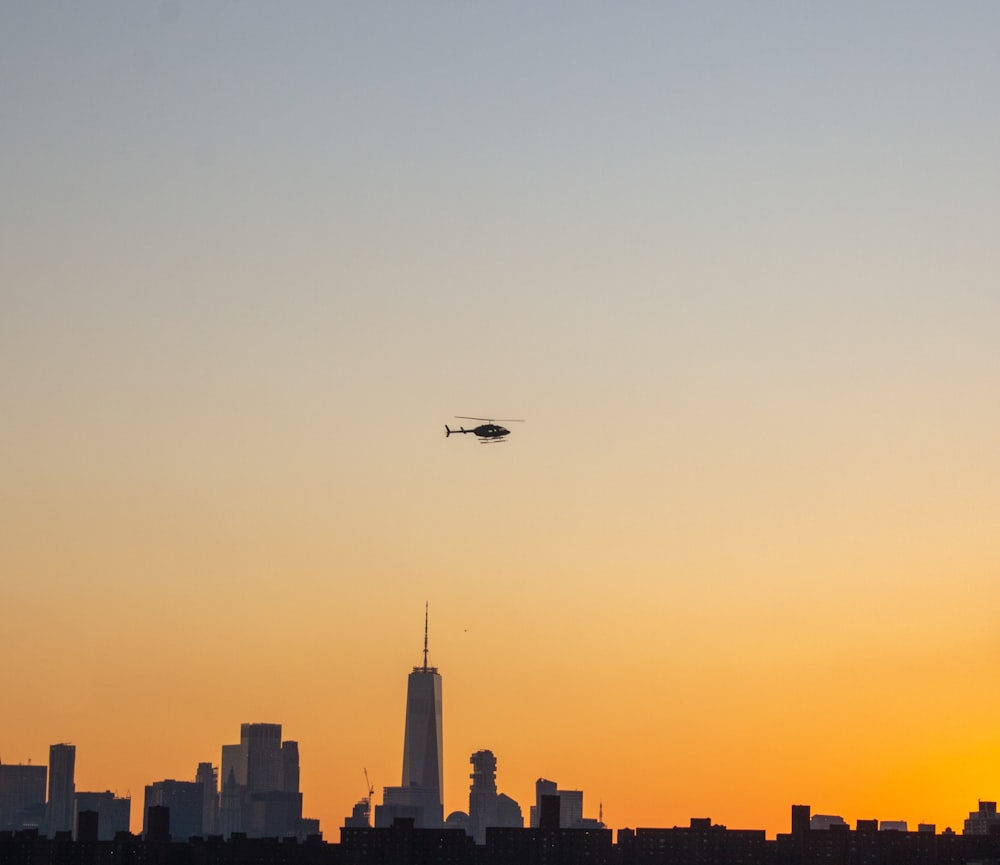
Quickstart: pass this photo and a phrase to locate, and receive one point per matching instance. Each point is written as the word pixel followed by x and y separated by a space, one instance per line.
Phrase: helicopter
pixel 489 432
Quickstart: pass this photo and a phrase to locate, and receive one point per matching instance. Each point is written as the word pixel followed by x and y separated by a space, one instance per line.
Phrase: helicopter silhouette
pixel 489 432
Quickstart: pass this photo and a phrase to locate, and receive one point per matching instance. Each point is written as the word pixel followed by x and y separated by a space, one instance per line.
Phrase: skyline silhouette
pixel 254 790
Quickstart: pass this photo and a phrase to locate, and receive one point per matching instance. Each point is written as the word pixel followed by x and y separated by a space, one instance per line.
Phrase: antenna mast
pixel 425 635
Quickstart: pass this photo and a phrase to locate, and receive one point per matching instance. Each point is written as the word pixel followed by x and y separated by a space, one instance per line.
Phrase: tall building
pixel 422 755
pixel 62 764
pixel 482 794
pixel 261 745
pixel 260 786
pixel 487 807
pixel 22 796
pixel 420 794
pixel 231 801
pixel 290 767
pixel 209 780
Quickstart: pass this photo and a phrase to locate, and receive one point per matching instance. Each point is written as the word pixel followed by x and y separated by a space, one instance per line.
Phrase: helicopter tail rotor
pixel 447 432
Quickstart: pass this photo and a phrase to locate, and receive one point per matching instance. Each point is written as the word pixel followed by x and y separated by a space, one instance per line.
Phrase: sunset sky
pixel 737 266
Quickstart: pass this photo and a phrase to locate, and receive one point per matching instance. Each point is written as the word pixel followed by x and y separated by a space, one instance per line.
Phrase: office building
pixel 290 767
pixel 231 801
pixel 487 807
pixel 209 780
pixel 62 765
pixel 260 786
pixel 983 821
pixel 261 746
pixel 112 813
pixel 22 796
pixel 422 749
pixel 823 822
pixel 570 804
pixel 185 799
pixel 420 796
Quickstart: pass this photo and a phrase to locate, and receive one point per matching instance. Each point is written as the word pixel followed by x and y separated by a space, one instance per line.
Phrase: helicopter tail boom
pixel 448 430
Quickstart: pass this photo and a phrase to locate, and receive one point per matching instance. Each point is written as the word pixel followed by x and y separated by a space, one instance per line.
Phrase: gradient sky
pixel 735 263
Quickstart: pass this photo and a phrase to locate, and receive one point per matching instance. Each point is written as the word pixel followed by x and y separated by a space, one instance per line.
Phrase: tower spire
pixel 426 606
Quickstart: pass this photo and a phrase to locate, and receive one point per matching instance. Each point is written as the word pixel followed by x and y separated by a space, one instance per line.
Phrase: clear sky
pixel 735 263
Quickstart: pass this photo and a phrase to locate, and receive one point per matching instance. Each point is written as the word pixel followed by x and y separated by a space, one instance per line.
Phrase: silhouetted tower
pixel 230 805
pixel 22 796
pixel 290 767
pixel 548 811
pixel 261 747
pixel 158 824
pixel 482 794
pixel 422 753
pixel 418 798
pixel 62 764
pixel 87 827
pixel 209 780
pixel 801 814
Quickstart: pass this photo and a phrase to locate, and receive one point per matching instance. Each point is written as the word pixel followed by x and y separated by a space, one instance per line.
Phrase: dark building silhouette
pixel 542 846
pixel 701 843
pixel 113 813
pixel 420 795
pixel 22 796
pixel 403 843
pixel 548 811
pixel 87 826
pixel 982 821
pixel 273 815
pixel 262 745
pixel 360 816
pixel 156 824
pixel 290 767
pixel 207 776
pixel 482 794
pixel 801 815
pixel 260 794
pixel 570 805
pixel 231 800
pixel 487 807
pixel 183 799
pixel 62 765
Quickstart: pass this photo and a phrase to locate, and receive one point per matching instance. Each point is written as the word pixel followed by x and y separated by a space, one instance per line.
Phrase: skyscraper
pixel 422 758
pixel 22 796
pixel 487 807
pixel 62 764
pixel 482 794
pixel 260 785
pixel 290 767
pixel 261 745
pixel 420 794
pixel 208 778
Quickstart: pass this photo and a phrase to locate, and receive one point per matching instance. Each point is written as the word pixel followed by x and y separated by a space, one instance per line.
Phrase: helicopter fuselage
pixel 484 431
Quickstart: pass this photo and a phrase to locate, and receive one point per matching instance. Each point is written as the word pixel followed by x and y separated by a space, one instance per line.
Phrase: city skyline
pixel 264 776
pixel 254 789
pixel 734 264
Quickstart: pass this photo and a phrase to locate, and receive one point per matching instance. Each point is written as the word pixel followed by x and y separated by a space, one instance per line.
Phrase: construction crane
pixel 371 792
